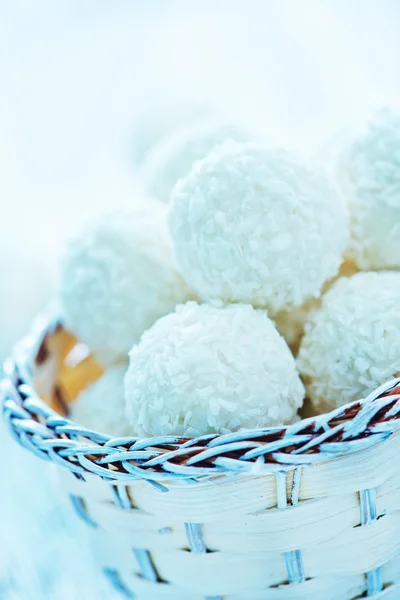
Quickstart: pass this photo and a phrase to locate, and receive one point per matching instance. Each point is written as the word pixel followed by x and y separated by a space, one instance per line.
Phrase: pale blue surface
pixel 44 552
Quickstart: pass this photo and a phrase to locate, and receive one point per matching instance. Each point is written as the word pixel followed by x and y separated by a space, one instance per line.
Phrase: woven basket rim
pixel 39 428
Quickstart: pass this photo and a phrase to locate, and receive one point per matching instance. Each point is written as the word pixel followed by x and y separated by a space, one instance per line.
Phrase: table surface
pixel 44 552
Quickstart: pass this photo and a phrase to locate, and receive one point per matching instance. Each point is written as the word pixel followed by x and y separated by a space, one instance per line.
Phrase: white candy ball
pixel 369 175
pixel 101 406
pixel 352 343
pixel 175 155
pixel 253 224
pixel 118 278
pixel 204 369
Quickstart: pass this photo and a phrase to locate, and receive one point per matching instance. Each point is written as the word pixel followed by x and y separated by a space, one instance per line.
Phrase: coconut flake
pixel 238 372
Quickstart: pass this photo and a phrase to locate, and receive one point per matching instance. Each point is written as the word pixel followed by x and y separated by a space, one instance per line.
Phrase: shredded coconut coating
pixel 204 369
pixel 174 156
pixel 253 224
pixel 101 406
pixel 118 277
pixel 352 343
pixel 369 174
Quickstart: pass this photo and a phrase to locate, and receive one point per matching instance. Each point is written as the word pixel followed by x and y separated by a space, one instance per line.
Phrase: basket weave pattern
pixel 309 511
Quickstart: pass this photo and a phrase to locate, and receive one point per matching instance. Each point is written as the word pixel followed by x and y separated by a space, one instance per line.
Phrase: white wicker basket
pixel 309 511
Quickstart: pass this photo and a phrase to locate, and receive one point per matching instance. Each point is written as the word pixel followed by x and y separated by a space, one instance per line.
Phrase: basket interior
pixel 59 367
pixel 63 368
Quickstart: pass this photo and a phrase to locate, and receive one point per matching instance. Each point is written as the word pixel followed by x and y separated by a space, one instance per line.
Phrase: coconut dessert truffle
pixel 252 223
pixel 117 278
pixel 352 343
pixel 101 406
pixel 174 156
pixel 369 175
pixel 204 369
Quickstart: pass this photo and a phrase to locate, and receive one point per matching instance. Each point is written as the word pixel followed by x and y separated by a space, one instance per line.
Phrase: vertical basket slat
pixel 368 514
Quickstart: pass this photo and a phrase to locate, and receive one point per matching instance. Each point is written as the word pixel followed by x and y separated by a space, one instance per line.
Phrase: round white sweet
pixel 352 343
pixel 253 224
pixel 118 277
pixel 175 155
pixel 369 174
pixel 101 406
pixel 204 369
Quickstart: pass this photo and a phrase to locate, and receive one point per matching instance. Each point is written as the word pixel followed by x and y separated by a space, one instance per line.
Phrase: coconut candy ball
pixel 253 224
pixel 369 175
pixel 117 278
pixel 352 343
pixel 204 369
pixel 101 406
pixel 175 155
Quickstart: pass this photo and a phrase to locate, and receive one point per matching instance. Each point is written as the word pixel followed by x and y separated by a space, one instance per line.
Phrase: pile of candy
pixel 247 280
